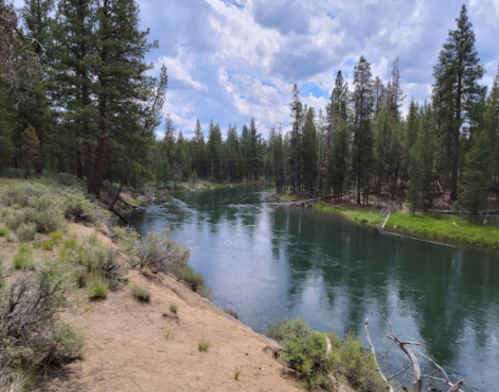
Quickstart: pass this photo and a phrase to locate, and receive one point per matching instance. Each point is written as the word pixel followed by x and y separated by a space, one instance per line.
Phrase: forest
pixel 77 96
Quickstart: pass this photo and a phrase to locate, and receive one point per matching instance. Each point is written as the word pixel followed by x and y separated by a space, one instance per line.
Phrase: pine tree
pixel 338 163
pixel 308 152
pixel 422 163
pixel 491 127
pixel 362 151
pixel 477 174
pixel 337 111
pixel 456 93
pixel 295 140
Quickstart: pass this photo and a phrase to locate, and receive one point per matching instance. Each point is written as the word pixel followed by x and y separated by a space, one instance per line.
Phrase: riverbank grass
pixel 437 227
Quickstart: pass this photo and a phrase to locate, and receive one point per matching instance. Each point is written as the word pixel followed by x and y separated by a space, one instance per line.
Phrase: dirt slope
pixel 126 348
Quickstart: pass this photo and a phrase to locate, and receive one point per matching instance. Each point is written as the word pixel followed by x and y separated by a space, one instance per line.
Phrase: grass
pixel 4 232
pixel 290 198
pixel 436 227
pixel 140 293
pixel 204 345
pixel 173 308
pixel 169 335
pixel 97 288
pixel 24 259
pixel 237 373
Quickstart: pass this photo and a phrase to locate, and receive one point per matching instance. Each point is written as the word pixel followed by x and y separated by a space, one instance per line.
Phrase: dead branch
pixel 417 385
pixel 366 327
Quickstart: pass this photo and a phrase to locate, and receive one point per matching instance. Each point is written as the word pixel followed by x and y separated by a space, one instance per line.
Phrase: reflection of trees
pixel 443 289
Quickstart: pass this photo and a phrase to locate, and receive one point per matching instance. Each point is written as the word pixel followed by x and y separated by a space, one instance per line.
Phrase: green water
pixel 269 263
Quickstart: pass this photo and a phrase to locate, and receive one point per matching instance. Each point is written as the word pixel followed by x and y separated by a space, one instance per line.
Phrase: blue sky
pixel 229 60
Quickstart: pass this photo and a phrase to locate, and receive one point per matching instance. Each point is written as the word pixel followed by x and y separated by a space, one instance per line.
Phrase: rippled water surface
pixel 269 263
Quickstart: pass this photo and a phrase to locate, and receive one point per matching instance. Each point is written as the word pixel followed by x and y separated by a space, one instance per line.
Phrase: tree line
pixel 77 96
pixel 446 146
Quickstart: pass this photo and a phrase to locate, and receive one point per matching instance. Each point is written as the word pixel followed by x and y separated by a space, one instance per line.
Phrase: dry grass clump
pixel 204 345
pixel 140 293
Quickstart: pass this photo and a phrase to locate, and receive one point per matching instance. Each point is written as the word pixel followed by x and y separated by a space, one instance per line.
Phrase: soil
pixel 136 346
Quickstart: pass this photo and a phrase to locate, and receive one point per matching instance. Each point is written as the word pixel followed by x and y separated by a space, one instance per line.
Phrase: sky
pixel 229 60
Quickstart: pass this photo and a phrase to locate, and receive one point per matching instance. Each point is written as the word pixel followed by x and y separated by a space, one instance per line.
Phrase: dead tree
pixel 417 384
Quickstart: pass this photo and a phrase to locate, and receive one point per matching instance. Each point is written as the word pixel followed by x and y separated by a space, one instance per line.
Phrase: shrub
pixel 97 288
pixel 24 259
pixel 127 239
pixel 140 293
pixel 68 343
pixel 204 345
pixel 173 308
pixel 80 209
pixel 26 232
pixel 161 253
pixel 4 232
pixel 231 313
pixel 56 235
pixel 304 350
pixel 103 261
pixel 195 279
pixel 31 333
pixel 46 245
pixel 357 365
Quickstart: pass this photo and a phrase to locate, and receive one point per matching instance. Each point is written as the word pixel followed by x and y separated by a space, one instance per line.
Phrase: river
pixel 269 263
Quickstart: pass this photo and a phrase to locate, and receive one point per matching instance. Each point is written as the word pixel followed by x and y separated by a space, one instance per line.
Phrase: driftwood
pixel 366 327
pixel 417 385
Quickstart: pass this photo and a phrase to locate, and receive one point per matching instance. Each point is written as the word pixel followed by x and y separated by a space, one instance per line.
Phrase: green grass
pixel 290 197
pixel 4 232
pixel 173 308
pixel 24 259
pixel 204 345
pixel 213 185
pixel 434 227
pixel 97 288
pixel 140 293
pixel 237 373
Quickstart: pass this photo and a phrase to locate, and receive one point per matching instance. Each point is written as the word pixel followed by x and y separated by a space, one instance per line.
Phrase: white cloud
pixel 179 71
pixel 233 59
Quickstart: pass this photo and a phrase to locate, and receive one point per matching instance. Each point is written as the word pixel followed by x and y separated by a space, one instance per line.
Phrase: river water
pixel 269 263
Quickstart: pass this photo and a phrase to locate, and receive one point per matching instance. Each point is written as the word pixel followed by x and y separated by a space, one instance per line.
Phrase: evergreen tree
pixel 309 153
pixel 477 174
pixel 456 93
pixel 338 163
pixel 295 140
pixel 422 163
pixel 362 151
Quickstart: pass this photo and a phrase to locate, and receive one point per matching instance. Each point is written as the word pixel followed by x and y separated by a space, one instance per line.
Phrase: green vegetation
pixel 204 345
pixel 4 232
pixel 436 227
pixel 31 333
pixel 97 288
pixel 237 373
pixel 195 279
pixel 24 259
pixel 306 351
pixel 173 308
pixel 169 335
pixel 140 293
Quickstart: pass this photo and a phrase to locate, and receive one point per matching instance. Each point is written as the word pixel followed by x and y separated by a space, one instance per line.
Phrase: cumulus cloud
pixel 230 60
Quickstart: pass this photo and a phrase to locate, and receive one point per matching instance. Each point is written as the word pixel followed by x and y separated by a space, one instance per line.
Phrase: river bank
pixel 430 226
pixel 129 324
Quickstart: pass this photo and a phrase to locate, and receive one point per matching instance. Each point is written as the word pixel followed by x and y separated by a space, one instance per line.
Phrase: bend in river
pixel 270 263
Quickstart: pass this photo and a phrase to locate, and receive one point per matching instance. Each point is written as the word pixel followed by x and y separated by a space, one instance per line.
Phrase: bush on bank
pixel 306 351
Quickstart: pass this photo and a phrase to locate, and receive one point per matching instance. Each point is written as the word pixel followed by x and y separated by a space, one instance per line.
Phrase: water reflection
pixel 269 263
